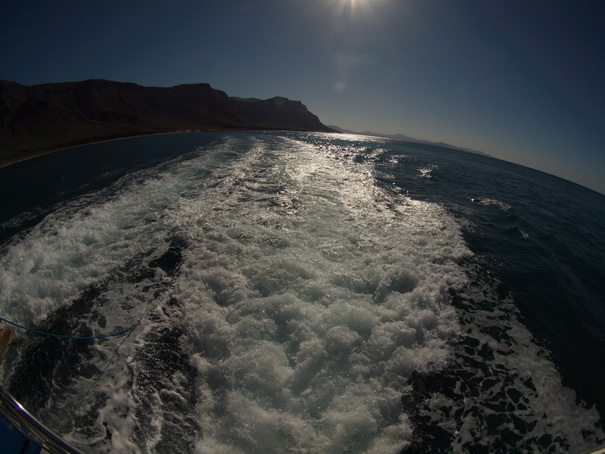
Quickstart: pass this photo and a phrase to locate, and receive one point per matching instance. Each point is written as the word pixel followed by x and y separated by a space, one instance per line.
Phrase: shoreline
pixel 6 162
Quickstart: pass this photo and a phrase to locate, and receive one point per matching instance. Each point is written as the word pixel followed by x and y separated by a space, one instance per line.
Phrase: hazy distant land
pixel 405 138
pixel 42 118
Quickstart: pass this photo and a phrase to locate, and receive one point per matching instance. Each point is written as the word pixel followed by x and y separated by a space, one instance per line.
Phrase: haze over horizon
pixel 521 81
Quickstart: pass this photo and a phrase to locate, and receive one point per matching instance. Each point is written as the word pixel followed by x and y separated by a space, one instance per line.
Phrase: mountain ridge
pixel 40 118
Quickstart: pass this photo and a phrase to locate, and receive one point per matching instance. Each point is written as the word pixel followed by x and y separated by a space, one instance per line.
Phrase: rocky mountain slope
pixel 39 118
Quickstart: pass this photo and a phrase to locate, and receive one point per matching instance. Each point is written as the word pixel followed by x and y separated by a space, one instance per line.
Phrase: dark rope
pixel 62 336
pixel 96 381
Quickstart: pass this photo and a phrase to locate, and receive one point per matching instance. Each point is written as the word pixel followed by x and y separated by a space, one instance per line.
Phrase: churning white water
pixel 305 295
pixel 284 301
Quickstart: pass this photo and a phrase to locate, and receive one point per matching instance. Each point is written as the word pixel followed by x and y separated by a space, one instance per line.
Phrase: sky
pixel 521 80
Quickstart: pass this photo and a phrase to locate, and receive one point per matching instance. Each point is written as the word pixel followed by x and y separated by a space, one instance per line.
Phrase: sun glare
pixel 359 2
pixel 356 8
pixel 354 4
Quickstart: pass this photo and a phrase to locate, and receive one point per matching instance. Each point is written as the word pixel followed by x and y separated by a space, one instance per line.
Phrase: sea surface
pixel 303 293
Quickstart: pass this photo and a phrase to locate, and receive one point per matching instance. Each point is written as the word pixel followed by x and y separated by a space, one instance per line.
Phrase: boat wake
pixel 287 302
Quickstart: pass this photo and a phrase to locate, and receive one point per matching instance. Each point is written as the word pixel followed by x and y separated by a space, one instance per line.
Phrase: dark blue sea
pixel 303 293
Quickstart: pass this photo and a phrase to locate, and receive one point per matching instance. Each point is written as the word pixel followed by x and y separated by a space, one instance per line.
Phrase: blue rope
pixel 62 336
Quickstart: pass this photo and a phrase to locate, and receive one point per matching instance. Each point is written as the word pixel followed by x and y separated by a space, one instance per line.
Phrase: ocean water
pixel 303 293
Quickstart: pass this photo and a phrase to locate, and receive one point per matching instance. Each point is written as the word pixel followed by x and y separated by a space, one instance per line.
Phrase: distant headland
pixel 41 118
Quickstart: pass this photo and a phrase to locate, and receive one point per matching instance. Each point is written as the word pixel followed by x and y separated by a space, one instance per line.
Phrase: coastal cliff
pixel 40 118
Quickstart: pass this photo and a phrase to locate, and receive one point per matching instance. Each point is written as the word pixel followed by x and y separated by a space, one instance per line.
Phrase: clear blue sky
pixel 522 80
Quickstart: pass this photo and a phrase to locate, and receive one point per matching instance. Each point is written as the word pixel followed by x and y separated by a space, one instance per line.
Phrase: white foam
pixel 306 291
pixel 515 375
pixel 342 293
pixel 71 250
pixel 504 207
